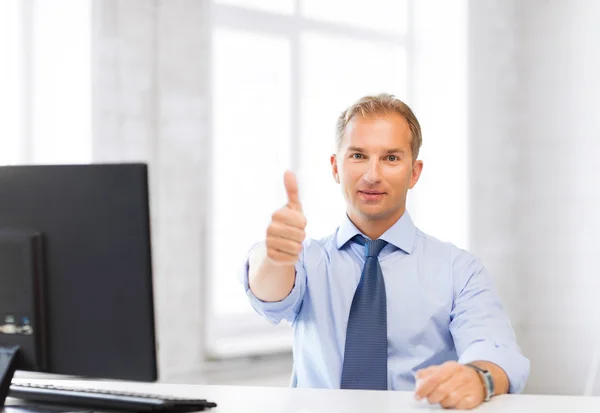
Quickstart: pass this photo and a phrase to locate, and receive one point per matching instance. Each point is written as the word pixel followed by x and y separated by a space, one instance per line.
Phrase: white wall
pixel 150 78
pixel 494 141
pixel 535 141
pixel 560 194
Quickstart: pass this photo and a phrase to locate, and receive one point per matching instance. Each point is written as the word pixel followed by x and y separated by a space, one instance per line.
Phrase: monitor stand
pixel 8 365
pixel 9 362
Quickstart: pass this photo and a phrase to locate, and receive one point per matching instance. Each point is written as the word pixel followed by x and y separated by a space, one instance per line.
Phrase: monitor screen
pixel 75 269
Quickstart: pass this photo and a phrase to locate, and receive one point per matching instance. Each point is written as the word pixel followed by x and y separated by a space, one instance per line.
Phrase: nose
pixel 373 173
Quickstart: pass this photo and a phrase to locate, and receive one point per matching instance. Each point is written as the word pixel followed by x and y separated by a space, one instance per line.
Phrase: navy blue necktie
pixel 365 355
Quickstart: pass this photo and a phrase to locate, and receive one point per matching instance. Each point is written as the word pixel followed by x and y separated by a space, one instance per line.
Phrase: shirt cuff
pixel 277 310
pixel 515 365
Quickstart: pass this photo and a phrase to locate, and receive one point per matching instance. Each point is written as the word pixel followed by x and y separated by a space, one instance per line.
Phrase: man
pixel 379 304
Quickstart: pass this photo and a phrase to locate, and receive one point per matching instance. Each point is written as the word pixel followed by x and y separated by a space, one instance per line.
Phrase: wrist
pixel 487 380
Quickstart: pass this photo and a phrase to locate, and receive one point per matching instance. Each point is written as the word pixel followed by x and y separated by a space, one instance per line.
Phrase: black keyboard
pixel 106 399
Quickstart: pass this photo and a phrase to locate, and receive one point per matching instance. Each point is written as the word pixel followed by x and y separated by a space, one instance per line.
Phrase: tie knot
pixel 372 247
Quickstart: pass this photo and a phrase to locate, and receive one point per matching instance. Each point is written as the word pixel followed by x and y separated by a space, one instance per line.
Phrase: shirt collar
pixel 401 234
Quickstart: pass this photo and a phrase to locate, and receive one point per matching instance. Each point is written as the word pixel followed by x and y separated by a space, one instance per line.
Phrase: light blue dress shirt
pixel 441 305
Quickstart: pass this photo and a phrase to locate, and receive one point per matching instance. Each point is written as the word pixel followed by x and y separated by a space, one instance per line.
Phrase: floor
pixel 274 370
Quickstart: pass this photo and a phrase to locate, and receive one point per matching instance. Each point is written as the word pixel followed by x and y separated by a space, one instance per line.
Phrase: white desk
pixel 237 399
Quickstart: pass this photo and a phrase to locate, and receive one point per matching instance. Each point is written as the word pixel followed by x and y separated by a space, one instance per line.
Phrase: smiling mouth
pixel 372 192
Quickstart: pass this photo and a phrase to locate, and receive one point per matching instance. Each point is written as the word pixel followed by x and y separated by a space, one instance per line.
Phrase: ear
pixel 416 173
pixel 334 168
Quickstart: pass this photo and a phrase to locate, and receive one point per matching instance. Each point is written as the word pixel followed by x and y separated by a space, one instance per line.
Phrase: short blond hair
pixel 381 104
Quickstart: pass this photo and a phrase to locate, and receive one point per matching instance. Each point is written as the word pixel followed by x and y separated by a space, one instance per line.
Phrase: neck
pixel 375 228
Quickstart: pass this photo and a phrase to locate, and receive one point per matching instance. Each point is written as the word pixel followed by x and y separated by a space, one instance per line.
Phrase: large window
pixel 282 71
pixel 11 71
pixel 45 85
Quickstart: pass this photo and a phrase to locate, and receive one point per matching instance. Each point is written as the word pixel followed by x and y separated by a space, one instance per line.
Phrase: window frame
pixel 259 336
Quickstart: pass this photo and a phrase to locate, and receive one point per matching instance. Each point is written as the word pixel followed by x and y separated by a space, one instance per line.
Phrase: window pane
pixel 62 130
pixel 335 73
pixel 10 82
pixel 384 15
pixel 250 152
pixel 274 6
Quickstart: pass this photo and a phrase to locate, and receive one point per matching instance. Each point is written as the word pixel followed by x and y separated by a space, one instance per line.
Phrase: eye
pixel 356 156
pixel 392 158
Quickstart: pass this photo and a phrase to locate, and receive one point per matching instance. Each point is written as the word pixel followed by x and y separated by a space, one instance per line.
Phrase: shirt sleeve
pixel 480 327
pixel 279 310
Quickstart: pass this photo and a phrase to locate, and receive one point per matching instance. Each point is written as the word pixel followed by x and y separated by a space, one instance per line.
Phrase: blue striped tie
pixel 365 355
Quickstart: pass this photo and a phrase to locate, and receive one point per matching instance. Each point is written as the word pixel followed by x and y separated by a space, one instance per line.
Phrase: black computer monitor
pixel 76 291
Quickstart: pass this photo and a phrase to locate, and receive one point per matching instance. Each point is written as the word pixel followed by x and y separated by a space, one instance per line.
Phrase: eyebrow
pixel 393 150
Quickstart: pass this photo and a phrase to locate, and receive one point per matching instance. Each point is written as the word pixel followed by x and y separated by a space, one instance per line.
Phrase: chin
pixel 374 214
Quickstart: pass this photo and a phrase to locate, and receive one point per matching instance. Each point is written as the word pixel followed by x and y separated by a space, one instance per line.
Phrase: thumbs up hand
pixel 285 233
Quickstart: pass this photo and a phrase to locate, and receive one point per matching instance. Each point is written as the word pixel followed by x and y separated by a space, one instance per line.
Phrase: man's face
pixel 374 165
